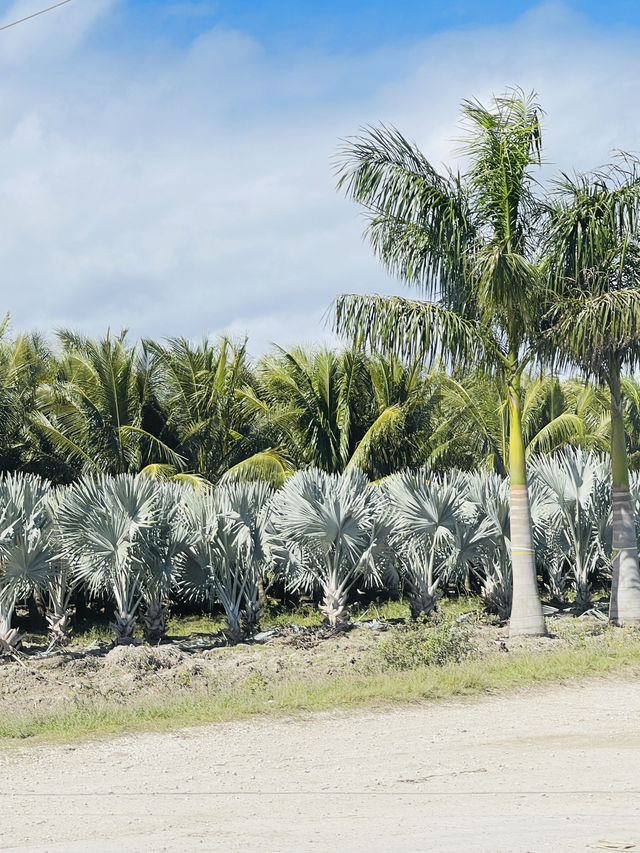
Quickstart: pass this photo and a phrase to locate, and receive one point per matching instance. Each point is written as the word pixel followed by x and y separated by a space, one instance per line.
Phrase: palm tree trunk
pixel 526 607
pixel 10 636
pixel 624 608
pixel 155 623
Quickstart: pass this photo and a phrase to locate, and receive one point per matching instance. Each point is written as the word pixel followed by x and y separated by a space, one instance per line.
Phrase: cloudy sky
pixel 167 166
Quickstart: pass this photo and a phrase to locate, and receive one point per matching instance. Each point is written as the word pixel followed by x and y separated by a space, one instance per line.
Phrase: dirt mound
pixel 144 659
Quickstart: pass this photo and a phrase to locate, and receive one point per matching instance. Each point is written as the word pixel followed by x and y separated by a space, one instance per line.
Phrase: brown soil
pixel 129 673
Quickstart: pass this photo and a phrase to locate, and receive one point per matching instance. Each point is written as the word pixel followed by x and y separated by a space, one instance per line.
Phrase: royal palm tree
pixel 593 251
pixel 468 242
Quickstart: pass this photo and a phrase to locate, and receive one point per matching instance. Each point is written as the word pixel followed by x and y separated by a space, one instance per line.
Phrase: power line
pixel 35 14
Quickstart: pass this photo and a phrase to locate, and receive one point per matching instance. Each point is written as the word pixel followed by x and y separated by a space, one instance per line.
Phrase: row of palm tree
pixel 512 273
pixel 204 410
pixel 144 542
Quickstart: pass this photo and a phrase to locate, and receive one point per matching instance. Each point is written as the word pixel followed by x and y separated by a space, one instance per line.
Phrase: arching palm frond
pixel 411 329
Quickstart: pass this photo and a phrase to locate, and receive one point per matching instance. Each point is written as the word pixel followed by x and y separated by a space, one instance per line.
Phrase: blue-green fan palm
pixel 328 531
pixel 102 521
pixel 225 557
pixel 26 549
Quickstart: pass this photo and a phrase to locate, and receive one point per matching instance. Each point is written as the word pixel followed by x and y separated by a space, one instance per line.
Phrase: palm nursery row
pixel 144 542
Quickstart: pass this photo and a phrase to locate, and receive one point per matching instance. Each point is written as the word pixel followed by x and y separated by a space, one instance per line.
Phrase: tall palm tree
pixel 594 264
pixel 468 242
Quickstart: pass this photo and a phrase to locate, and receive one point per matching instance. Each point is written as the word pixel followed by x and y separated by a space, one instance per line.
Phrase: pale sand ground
pixel 555 769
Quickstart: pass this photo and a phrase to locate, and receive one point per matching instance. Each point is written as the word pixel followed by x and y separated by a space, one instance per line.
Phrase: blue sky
pixel 167 166
pixel 351 26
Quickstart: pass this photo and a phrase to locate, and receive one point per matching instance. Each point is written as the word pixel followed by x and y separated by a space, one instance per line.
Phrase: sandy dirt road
pixel 555 769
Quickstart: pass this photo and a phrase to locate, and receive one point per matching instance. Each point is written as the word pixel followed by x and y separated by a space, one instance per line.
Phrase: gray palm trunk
pixel 11 636
pixel 624 607
pixel 126 591
pixel 155 623
pixel 59 592
pixel 526 608
pixel 335 598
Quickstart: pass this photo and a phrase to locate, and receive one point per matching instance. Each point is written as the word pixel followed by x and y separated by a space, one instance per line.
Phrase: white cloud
pixel 190 191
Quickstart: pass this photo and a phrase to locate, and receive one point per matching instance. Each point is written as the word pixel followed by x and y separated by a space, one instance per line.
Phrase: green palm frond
pixel 419 222
pixel 268 465
pixel 410 329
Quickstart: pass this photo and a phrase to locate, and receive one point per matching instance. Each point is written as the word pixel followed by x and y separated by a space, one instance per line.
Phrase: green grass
pixel 612 651
pixel 197 624
pixel 305 616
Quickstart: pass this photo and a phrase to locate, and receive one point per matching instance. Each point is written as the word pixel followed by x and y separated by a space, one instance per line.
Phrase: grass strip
pixel 608 654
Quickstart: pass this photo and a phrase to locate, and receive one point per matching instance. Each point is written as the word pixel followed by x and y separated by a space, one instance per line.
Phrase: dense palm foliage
pixel 184 411
pixel 594 267
pixel 143 543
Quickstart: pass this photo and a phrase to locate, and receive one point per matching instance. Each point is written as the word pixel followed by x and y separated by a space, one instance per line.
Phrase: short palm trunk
pixel 60 630
pixel 155 625
pixel 123 628
pixel 583 597
pixel 334 609
pixel 423 598
pixel 234 631
pixel 250 617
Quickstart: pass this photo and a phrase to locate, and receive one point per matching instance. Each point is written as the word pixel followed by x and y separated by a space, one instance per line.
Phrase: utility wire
pixel 35 14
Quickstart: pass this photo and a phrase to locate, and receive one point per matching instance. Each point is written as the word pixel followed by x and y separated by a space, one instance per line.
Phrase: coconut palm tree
pixel 25 363
pixel 473 431
pixel 340 410
pixel 206 423
pixel 93 414
pixel 468 242
pixel 593 251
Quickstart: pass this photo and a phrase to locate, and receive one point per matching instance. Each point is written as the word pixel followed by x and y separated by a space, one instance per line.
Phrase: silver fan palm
pixel 328 531
pixel 101 522
pixel 162 545
pixel 26 550
pixel 226 552
pixel 575 495
pixel 424 510
pixel 488 496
